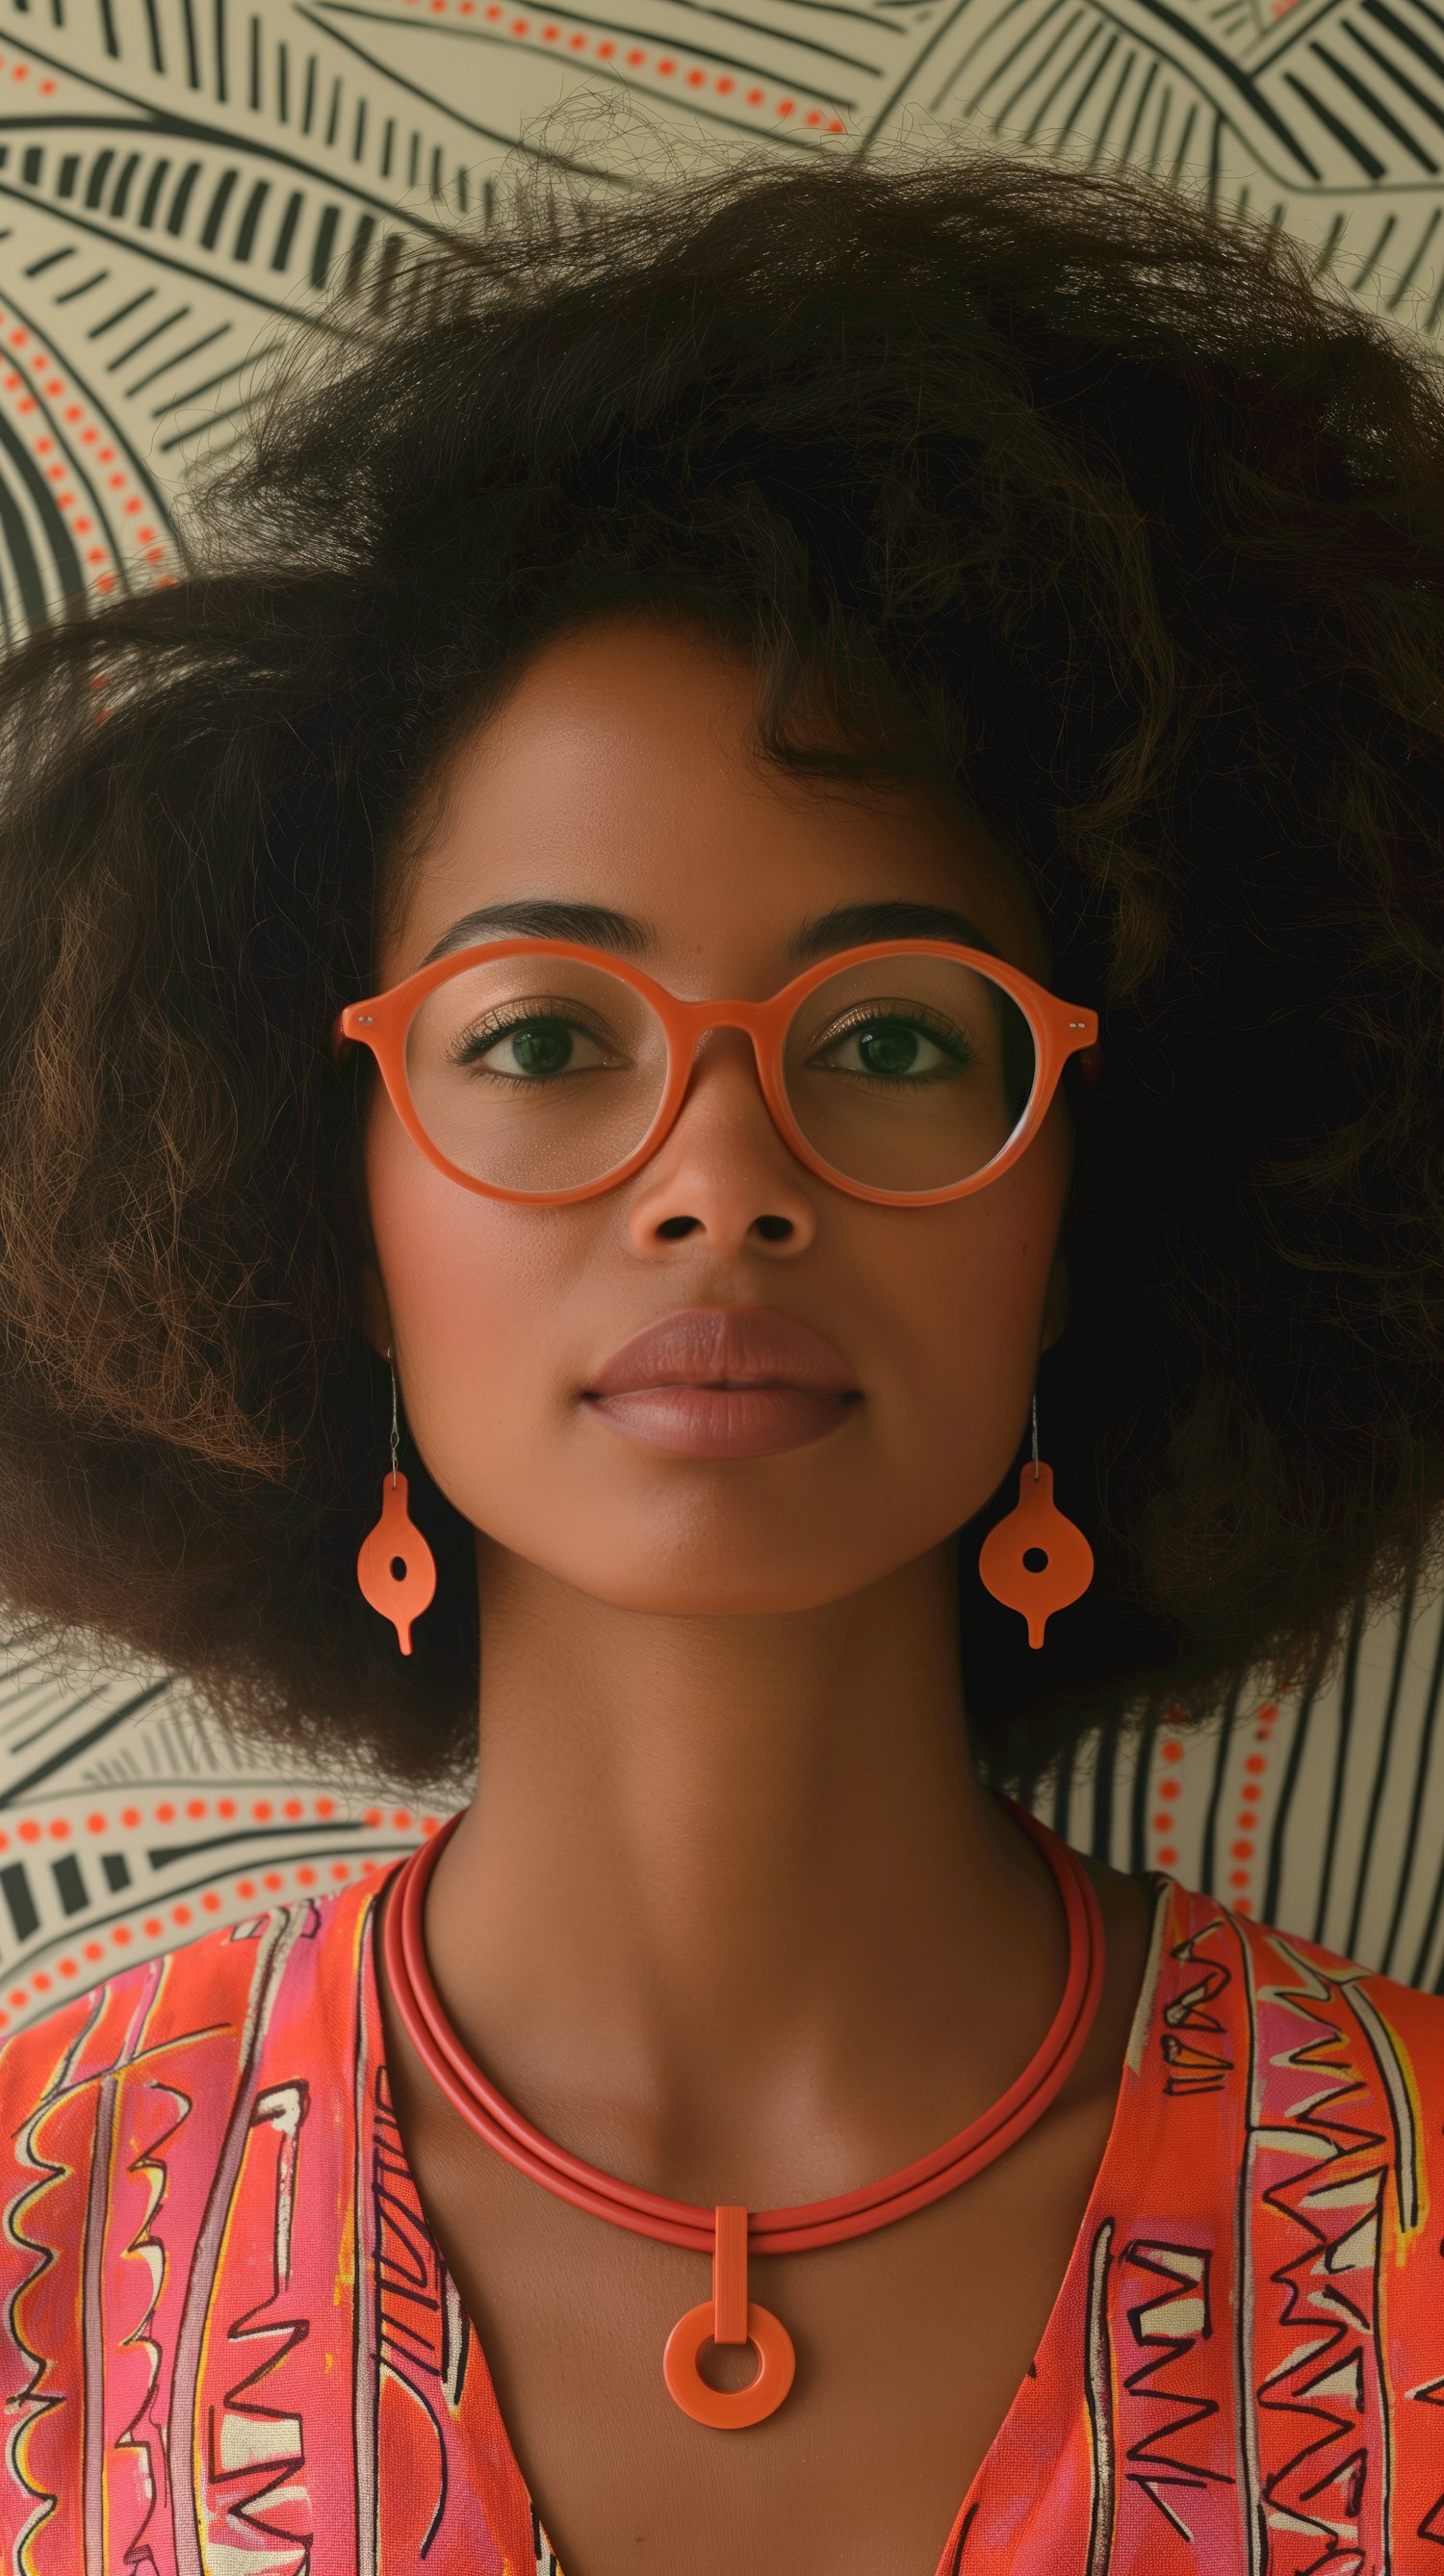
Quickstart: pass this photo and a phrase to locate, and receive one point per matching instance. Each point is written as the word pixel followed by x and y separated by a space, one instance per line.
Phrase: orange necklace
pixel 728 2233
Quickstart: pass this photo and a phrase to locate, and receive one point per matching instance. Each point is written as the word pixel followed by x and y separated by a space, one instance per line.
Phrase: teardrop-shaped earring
pixel 396 1569
pixel 1036 1527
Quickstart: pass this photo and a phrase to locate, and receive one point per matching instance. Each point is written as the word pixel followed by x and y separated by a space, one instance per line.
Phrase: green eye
pixel 899 1051
pixel 543 1045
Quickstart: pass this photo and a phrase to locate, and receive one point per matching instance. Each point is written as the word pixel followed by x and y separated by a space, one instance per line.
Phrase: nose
pixel 724 1172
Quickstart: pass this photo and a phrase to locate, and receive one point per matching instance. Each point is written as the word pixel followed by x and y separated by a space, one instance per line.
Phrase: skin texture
pixel 730 1914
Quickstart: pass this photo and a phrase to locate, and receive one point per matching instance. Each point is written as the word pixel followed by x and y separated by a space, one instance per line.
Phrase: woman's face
pixel 618 773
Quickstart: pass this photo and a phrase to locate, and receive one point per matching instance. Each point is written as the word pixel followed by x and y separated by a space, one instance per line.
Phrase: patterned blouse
pixel 229 2346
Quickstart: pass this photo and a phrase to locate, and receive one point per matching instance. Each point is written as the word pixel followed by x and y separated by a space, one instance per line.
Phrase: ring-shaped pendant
pixel 728 2409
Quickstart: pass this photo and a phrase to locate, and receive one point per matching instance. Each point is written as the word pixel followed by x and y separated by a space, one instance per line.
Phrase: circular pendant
pixel 728 2409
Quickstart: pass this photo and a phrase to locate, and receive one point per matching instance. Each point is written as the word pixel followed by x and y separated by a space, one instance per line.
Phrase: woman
pixel 722 1055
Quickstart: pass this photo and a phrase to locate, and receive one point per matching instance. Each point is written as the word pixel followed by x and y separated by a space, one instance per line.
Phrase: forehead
pixel 621 769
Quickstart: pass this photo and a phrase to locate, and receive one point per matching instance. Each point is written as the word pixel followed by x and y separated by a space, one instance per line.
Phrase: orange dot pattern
pixel 75 445
pixel 695 81
pixel 21 71
pixel 1240 1847
pixel 86 1956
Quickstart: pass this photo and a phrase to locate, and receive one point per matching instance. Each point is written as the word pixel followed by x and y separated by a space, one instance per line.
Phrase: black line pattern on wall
pixel 181 183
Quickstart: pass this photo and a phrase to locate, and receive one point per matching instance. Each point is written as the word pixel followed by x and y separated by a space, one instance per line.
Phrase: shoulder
pixel 1335 2074
pixel 200 2014
pixel 190 2025
pixel 1274 2245
pixel 1282 1973
pixel 1313 2005
pixel 127 2126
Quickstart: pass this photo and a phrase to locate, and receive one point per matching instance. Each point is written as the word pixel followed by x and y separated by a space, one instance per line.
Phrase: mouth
pixel 725 1418
pixel 725 1382
pixel 711 1386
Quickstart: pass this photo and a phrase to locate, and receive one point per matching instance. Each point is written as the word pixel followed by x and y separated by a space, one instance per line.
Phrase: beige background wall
pixel 179 182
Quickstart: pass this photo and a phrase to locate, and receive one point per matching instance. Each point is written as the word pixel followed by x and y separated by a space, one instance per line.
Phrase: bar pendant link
pixel 729 2316
pixel 729 2276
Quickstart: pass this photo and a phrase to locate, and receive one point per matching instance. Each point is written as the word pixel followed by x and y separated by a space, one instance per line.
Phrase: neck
pixel 730 1911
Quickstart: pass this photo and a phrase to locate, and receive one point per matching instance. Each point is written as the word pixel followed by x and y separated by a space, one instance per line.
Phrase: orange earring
pixel 1036 1528
pixel 396 1569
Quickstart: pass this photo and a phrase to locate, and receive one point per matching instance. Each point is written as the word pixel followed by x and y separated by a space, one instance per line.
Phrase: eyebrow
pixel 596 925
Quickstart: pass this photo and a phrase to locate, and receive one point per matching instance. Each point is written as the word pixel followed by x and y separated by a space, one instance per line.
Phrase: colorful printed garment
pixel 229 2346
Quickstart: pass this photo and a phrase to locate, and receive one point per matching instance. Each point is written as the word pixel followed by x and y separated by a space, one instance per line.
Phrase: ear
pixel 368 1293
pixel 369 1305
pixel 1058 1304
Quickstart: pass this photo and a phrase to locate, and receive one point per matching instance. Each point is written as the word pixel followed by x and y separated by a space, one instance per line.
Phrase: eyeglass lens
pixel 536 1074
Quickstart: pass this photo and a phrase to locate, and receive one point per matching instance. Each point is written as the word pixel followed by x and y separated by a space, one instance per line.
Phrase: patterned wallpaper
pixel 180 180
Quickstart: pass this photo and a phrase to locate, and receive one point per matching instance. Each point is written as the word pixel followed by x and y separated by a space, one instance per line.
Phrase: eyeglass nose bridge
pixel 689 1024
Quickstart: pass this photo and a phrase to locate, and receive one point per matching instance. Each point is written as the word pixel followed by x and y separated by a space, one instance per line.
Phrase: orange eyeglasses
pixel 538 1070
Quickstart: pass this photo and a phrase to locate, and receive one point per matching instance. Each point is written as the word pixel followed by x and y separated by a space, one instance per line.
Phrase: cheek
pixel 968 1301
pixel 466 1280
pixel 971 1310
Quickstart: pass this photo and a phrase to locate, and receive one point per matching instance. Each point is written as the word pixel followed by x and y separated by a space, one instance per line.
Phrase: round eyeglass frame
pixel 1059 1029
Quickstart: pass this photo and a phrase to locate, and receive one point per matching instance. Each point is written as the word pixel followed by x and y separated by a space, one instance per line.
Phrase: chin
pixel 687 1582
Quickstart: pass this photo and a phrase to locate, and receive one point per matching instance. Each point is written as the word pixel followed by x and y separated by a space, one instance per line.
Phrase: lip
pixel 725 1347
pixel 725 1382
pixel 724 1422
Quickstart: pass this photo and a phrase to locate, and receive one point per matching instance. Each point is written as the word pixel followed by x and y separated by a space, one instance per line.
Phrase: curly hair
pixel 1055 478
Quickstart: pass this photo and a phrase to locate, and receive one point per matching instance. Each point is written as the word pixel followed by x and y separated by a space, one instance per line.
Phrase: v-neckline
pixel 1099 2196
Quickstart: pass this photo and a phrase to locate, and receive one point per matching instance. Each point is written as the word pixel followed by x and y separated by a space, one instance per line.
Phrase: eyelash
pixel 930 1025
